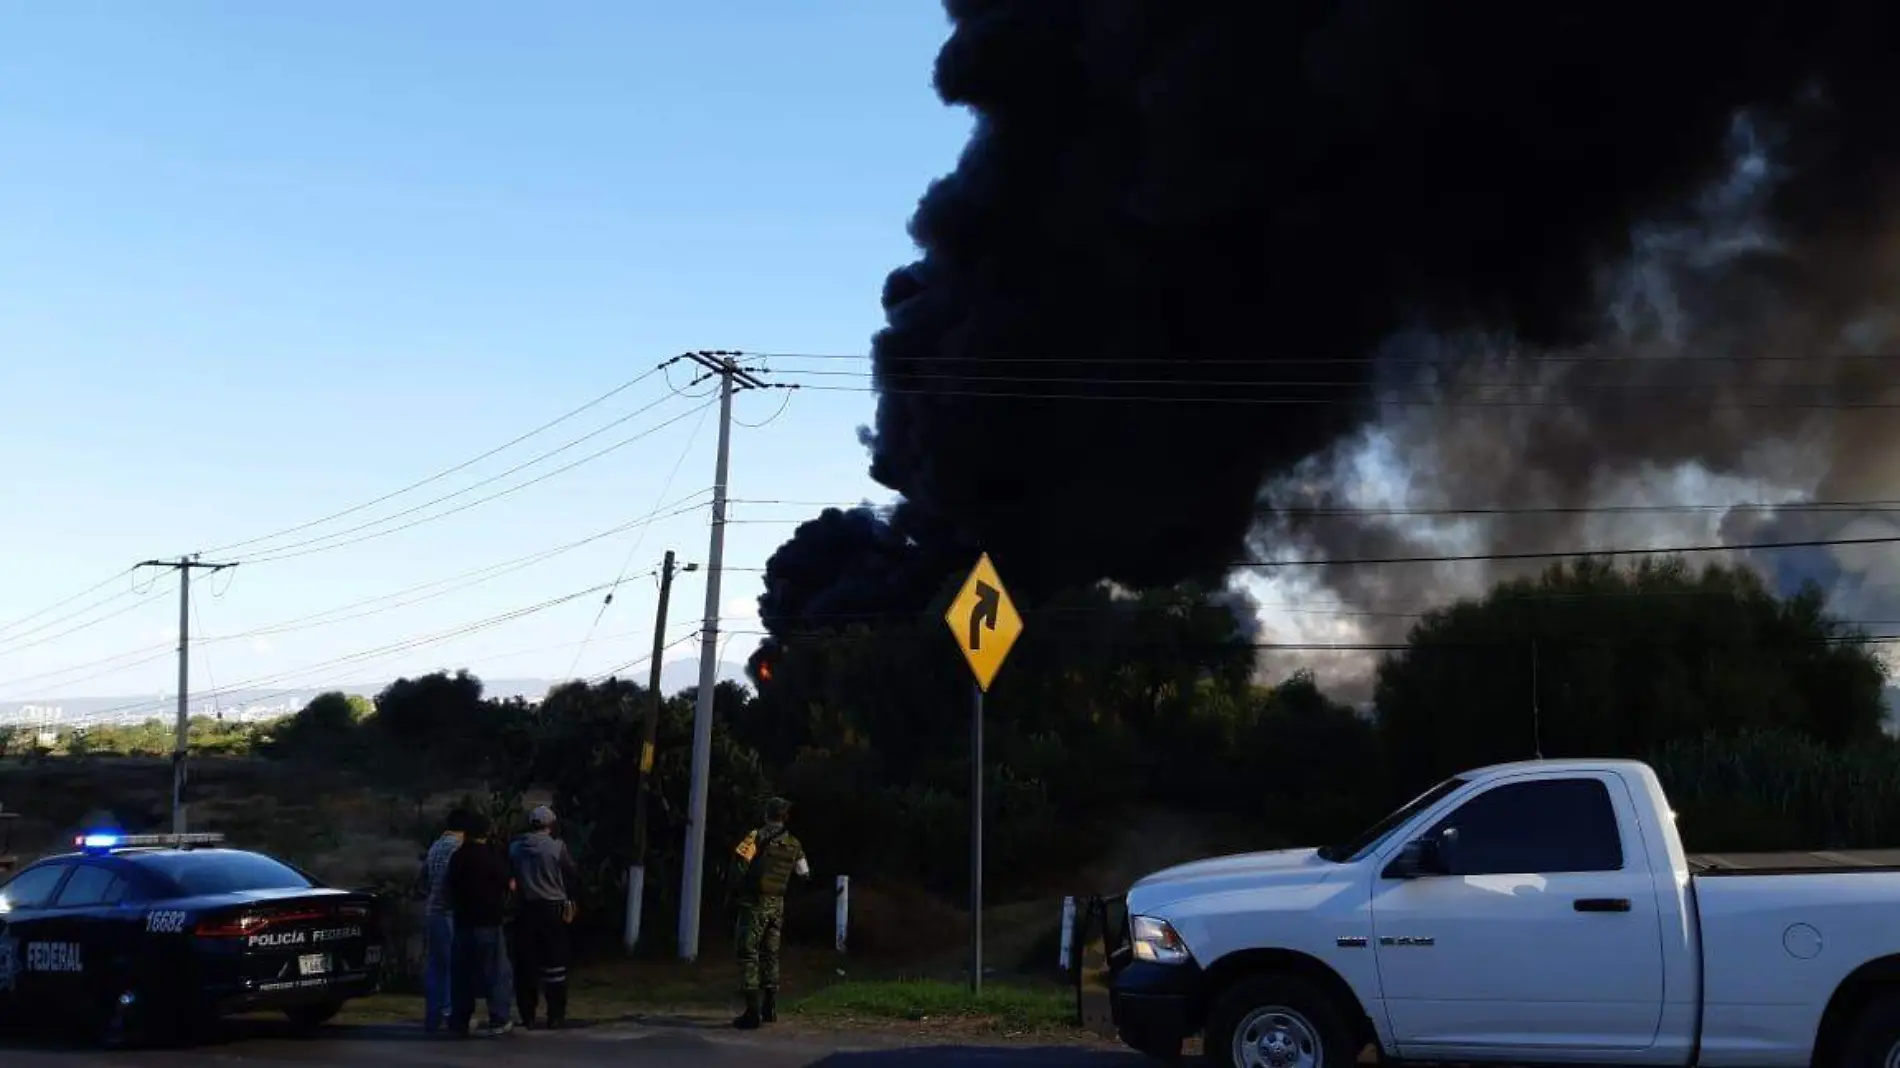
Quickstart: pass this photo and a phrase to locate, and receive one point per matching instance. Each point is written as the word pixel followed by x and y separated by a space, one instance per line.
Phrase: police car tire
pixel 114 1027
pixel 305 1017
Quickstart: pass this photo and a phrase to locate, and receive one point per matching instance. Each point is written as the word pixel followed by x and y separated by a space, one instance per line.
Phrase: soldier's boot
pixel 768 1005
pixel 749 1020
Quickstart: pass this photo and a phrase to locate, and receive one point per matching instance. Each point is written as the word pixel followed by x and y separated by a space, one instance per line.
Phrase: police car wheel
pixel 117 1022
pixel 304 1017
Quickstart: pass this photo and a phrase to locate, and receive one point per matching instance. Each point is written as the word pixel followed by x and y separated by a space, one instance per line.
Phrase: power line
pixel 326 617
pixel 773 418
pixel 204 638
pixel 1437 646
pixel 1355 387
pixel 640 540
pixel 1618 356
pixel 1754 546
pixel 455 583
pixel 87 625
pixel 636 662
pixel 292 551
pixel 464 465
pixel 377 652
pixel 1673 400
pixel 1552 554
pixel 57 605
pixel 1888 506
pixel 151 654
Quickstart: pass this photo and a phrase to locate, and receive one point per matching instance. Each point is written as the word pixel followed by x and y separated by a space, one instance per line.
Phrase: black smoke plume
pixel 1195 252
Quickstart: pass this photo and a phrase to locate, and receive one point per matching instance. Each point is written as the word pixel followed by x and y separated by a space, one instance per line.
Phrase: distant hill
pixel 253 705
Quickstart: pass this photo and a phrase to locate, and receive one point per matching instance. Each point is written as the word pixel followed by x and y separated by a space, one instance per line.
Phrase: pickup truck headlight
pixel 1156 942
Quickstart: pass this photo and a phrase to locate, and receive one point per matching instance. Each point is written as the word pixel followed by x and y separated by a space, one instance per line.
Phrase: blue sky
pixel 263 262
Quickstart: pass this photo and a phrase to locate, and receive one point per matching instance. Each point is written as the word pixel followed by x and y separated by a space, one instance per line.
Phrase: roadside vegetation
pixel 1125 732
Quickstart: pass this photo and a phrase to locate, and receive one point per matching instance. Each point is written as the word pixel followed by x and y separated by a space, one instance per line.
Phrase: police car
pixel 138 936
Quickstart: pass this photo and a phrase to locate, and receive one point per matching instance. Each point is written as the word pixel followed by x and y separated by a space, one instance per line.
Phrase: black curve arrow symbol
pixel 983 614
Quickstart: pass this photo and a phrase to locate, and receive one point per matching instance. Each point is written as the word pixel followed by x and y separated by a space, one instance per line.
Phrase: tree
pixel 1618 662
pixel 436 728
pixel 327 730
pixel 586 746
pixel 1109 700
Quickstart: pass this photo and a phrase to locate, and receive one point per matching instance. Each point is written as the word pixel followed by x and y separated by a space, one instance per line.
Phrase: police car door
pixel 24 924
pixel 84 926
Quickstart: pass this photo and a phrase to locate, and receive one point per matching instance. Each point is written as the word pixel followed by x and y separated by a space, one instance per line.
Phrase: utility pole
pixel 732 377
pixel 637 876
pixel 184 565
pixel 1537 721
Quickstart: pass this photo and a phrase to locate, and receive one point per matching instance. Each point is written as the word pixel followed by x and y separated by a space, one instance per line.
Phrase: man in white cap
pixel 545 874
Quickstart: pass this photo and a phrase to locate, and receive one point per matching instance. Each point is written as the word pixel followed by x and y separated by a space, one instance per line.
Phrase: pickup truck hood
pixel 1279 867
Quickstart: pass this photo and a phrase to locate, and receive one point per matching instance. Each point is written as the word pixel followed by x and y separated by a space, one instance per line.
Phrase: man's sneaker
pixel 496 1030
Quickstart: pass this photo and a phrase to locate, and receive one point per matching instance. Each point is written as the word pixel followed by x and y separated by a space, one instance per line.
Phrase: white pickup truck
pixel 1532 913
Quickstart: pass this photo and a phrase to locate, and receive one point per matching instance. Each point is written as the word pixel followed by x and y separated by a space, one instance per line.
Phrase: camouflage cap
pixel 777 808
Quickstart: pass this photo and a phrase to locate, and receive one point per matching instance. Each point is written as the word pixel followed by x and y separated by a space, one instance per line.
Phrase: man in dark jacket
pixel 478 893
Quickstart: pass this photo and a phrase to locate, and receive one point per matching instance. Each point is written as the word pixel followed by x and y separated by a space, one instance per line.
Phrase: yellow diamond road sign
pixel 984 622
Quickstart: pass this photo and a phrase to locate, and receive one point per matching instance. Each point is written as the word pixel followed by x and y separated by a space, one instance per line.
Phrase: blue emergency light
pixel 106 841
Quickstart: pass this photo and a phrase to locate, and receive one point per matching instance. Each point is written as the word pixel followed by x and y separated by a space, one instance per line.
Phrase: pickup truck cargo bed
pixel 1791 863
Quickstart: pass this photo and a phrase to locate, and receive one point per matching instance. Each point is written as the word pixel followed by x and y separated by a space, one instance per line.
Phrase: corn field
pixel 1772 790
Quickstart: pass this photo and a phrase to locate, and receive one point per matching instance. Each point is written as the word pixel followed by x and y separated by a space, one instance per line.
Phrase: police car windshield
pixel 219 872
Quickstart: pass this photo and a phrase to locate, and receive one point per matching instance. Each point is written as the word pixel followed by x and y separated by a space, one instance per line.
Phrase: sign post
pixel 985 625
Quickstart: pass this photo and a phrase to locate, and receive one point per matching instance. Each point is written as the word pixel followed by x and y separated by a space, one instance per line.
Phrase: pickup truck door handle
pixel 1601 904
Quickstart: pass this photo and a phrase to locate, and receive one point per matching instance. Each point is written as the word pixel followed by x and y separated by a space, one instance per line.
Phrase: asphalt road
pixel 245 1043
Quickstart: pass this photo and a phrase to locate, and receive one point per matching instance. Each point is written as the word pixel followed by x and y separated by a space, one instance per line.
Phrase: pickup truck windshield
pixel 1372 837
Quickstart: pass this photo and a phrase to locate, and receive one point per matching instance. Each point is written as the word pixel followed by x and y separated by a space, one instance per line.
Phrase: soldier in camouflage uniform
pixel 764 864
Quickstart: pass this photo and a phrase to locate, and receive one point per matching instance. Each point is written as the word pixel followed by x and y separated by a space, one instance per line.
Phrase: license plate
pixel 313 964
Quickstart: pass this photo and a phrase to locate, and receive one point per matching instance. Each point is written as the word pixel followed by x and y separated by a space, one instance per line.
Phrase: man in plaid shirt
pixel 440 932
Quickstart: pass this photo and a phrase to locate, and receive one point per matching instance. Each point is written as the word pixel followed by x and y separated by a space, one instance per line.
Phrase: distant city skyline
pixel 253 706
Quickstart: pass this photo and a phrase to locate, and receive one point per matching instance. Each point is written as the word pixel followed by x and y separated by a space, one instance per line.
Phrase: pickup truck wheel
pixel 1278 1021
pixel 1874 1041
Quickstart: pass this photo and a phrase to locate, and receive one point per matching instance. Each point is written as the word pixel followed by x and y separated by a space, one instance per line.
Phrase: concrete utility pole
pixel 637 876
pixel 184 565
pixel 732 377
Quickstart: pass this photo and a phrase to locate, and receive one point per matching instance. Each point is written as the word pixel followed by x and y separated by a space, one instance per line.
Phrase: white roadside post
pixel 844 909
pixel 1068 932
pixel 636 896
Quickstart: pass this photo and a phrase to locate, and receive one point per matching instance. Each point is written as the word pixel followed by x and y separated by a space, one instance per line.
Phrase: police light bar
pixel 102 840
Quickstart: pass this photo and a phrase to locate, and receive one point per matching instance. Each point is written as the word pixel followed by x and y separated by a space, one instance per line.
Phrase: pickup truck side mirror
pixel 1423 857
pixel 1446 853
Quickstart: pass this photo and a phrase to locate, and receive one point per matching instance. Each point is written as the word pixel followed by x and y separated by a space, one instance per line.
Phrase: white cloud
pixel 261 645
